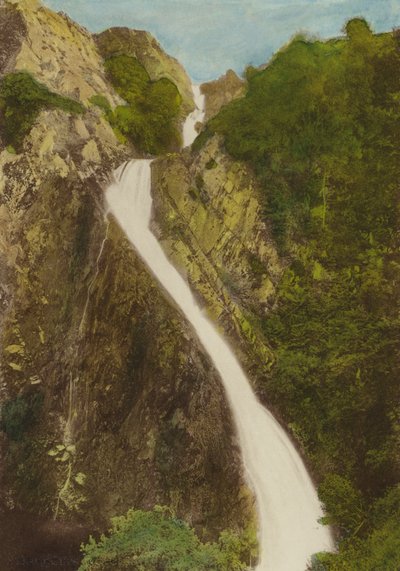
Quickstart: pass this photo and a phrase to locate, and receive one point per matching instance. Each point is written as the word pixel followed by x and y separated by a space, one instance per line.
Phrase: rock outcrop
pixel 145 48
pixel 221 92
pixel 208 217
pixel 55 50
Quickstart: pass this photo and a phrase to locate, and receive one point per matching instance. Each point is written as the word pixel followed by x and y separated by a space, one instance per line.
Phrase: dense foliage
pixel 18 414
pixel 150 117
pixel 155 540
pixel 321 126
pixel 377 550
pixel 22 98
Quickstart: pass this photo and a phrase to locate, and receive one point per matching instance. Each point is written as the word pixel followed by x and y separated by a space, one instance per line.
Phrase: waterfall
pixel 288 506
pixel 96 273
pixel 197 116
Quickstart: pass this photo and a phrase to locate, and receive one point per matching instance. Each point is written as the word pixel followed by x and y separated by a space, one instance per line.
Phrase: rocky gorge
pixel 108 402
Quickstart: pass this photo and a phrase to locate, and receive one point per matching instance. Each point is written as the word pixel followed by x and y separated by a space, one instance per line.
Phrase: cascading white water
pixel 287 502
pixel 197 116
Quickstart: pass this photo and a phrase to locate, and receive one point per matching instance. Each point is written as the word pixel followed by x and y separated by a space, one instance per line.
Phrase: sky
pixel 211 36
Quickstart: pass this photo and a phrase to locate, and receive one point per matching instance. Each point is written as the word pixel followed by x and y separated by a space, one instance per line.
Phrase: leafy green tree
pixel 379 550
pixel 344 504
pixel 155 540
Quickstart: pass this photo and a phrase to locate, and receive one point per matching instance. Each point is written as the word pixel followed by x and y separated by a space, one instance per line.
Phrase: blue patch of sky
pixel 210 36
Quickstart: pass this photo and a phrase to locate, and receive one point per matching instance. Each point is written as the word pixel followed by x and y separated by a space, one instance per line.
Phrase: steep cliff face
pixel 57 51
pixel 107 402
pixel 120 381
pixel 51 203
pixel 145 48
pixel 222 91
pixel 208 216
pixel 12 32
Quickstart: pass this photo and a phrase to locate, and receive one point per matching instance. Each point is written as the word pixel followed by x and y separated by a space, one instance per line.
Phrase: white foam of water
pixel 197 116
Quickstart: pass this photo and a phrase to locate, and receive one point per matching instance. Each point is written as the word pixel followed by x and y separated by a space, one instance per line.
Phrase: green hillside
pixel 320 126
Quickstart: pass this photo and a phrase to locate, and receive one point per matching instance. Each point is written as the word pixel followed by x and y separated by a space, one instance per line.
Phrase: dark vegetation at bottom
pixel 18 414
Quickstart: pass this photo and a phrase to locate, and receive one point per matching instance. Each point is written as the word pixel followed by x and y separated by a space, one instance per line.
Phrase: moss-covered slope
pixel 145 48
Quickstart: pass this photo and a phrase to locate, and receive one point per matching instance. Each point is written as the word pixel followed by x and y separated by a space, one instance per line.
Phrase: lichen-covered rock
pixel 56 51
pixel 221 92
pixel 208 216
pixel 131 412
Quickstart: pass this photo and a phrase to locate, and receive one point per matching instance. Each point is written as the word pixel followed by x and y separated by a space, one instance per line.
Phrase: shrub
pixel 157 539
pixel 22 98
